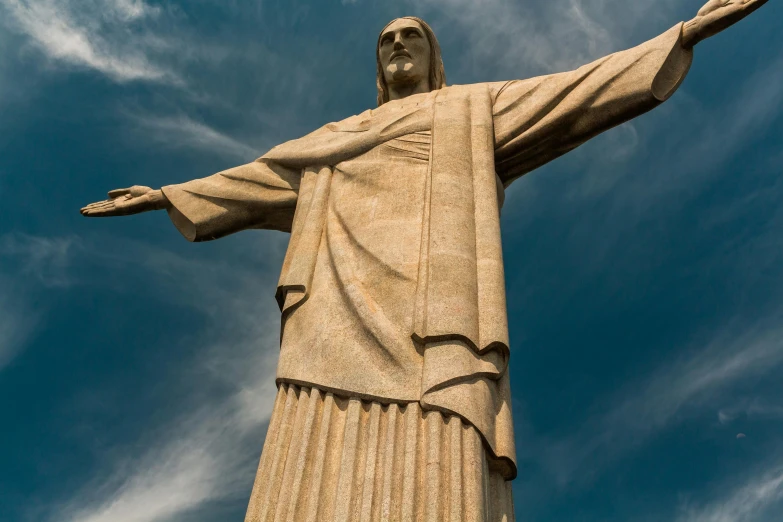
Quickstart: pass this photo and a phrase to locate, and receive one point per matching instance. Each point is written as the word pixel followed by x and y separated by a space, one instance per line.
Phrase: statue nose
pixel 398 45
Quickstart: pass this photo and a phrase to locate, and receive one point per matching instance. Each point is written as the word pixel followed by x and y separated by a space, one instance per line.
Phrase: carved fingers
pixel 751 5
pixel 733 5
pixel 713 5
pixel 123 202
pixel 715 16
pixel 100 209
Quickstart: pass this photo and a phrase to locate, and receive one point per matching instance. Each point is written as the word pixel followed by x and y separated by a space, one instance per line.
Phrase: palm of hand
pixel 122 202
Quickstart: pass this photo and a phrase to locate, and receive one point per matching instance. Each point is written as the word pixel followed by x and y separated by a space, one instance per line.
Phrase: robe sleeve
pixel 540 119
pixel 261 194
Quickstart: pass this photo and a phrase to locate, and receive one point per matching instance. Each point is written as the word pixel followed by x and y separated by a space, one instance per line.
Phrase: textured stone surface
pixel 392 288
pixel 394 398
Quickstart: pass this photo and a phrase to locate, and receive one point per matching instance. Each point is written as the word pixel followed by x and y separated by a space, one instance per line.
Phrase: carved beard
pixel 402 71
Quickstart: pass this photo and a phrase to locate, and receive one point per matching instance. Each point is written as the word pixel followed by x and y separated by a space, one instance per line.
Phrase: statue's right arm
pixel 128 201
pixel 260 194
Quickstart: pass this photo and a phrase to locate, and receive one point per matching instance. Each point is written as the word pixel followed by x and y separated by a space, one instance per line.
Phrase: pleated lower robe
pixel 329 458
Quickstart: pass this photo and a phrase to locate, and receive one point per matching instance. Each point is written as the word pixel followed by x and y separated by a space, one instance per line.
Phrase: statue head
pixel 408 52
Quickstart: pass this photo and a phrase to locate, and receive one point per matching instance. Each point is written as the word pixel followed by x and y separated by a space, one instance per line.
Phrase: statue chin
pixel 401 73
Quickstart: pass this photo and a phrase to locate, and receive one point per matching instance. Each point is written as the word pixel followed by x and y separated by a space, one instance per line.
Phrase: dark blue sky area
pixel 644 270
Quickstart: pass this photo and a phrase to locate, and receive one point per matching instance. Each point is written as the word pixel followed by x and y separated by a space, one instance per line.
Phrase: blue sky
pixel 644 270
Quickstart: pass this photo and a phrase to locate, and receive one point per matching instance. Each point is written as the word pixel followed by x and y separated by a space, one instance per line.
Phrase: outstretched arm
pixel 540 119
pixel 260 194
pixel 716 16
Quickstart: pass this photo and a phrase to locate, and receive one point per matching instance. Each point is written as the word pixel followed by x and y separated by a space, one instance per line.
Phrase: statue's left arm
pixel 540 119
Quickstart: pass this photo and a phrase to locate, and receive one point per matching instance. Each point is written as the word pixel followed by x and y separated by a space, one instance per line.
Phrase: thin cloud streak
pixel 202 455
pixel 195 463
pixel 90 36
pixel 671 179
pixel 751 501
pixel 725 132
pixel 45 259
pixel 34 262
pixel 670 394
pixel 756 408
pixel 17 322
pixel 184 132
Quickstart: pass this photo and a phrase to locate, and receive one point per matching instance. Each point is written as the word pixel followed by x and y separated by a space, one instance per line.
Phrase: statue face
pixel 404 53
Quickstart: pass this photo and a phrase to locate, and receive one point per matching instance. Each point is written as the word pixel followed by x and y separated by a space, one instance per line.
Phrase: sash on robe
pixel 460 312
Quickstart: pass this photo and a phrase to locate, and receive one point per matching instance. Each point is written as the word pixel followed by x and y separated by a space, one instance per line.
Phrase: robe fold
pixel 392 288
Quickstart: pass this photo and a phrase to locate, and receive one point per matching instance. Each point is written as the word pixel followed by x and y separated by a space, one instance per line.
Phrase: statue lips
pixel 400 53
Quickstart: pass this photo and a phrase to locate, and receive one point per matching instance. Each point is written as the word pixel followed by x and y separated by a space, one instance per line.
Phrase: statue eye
pixel 386 40
pixel 413 34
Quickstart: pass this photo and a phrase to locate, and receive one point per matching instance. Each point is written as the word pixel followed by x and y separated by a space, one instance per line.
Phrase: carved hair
pixel 437 72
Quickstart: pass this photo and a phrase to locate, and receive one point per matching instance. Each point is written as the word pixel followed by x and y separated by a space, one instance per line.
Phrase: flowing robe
pixel 392 287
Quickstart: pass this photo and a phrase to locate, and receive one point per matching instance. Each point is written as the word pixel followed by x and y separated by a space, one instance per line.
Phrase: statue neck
pixel 403 90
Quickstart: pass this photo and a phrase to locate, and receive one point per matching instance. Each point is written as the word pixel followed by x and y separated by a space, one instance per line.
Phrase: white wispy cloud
pixel 684 386
pixel 17 321
pixel 202 454
pixel 736 353
pixel 184 132
pixel 46 259
pixel 29 263
pixel 702 144
pixel 106 36
pixel 751 499
pixel 756 407
pixel 193 463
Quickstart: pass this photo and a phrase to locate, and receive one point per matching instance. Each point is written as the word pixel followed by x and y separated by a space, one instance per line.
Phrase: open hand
pixel 127 201
pixel 716 16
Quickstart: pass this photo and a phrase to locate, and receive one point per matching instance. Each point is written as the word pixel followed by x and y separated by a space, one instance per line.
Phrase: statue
pixel 393 392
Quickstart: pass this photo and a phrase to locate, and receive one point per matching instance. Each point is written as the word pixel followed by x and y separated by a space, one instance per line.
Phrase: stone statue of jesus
pixel 393 390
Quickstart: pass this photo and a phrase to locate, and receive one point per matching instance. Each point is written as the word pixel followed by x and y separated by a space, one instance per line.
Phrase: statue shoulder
pixel 357 123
